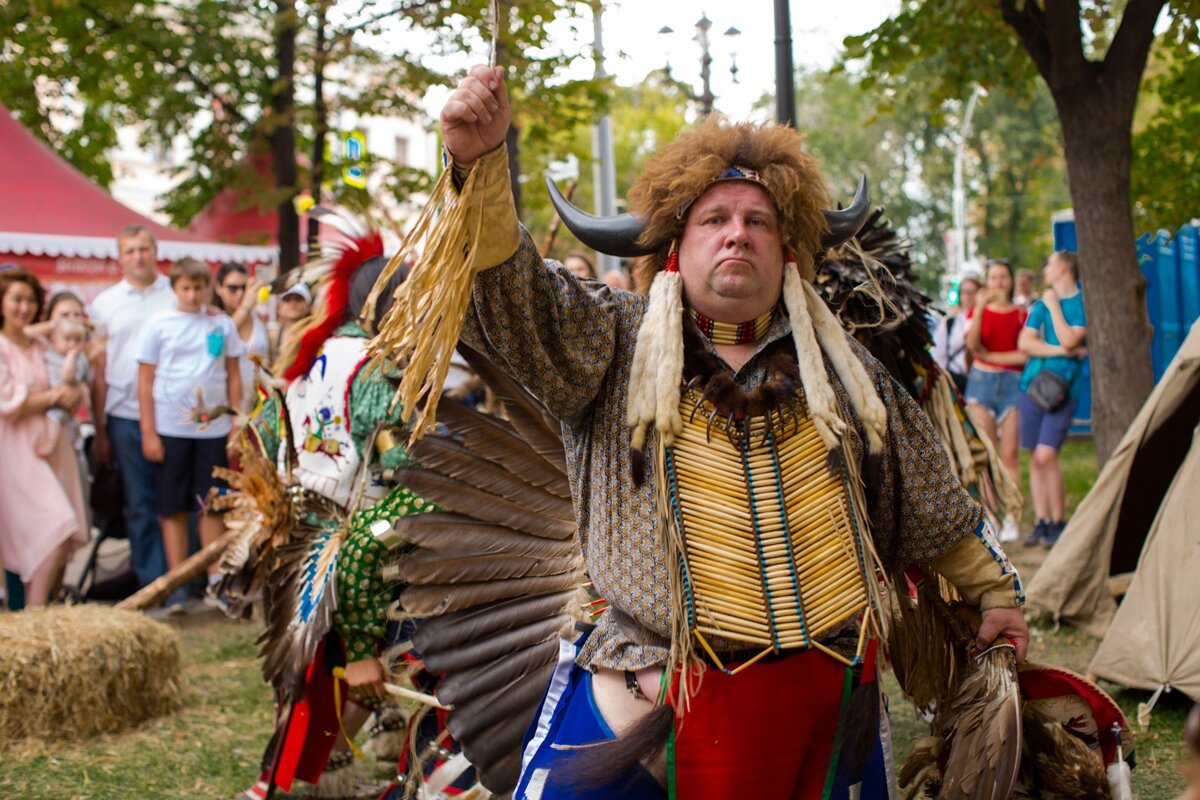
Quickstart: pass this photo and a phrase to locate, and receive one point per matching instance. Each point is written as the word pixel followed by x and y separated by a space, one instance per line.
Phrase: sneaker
pixel 1039 533
pixel 1054 532
pixel 1009 532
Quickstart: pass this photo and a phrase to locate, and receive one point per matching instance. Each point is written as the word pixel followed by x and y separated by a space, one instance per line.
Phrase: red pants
pixel 768 731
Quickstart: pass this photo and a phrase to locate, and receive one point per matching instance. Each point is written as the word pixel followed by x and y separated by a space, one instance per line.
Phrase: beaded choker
pixel 732 332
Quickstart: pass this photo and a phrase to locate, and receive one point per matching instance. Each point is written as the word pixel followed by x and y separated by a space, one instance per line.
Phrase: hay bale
pixel 70 672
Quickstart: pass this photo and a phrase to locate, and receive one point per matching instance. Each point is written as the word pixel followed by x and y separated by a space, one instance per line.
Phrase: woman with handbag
pixel 993 389
pixel 1054 338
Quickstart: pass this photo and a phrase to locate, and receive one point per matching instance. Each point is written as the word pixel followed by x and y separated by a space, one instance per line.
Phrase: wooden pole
pixel 153 593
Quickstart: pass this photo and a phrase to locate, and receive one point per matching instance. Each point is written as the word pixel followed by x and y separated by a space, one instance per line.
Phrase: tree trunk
pixel 320 130
pixel 1097 140
pixel 283 133
pixel 1095 101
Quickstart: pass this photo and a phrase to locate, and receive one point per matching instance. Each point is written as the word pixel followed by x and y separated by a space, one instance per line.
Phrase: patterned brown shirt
pixel 570 342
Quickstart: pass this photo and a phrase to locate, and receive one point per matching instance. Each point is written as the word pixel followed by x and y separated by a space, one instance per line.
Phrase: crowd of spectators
pixel 154 368
pixel 1000 336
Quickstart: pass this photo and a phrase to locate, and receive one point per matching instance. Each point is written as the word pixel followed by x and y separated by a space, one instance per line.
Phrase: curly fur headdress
pixel 688 166
pixel 770 156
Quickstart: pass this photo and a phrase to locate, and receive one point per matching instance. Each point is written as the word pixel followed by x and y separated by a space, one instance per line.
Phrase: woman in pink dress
pixel 41 497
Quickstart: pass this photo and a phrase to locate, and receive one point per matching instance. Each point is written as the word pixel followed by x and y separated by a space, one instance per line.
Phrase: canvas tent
pixel 1142 514
pixel 56 222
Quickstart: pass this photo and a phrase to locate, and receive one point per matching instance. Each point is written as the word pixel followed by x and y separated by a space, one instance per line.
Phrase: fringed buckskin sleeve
pixel 981 571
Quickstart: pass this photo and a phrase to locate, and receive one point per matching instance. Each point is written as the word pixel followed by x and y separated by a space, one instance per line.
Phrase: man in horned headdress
pixel 745 477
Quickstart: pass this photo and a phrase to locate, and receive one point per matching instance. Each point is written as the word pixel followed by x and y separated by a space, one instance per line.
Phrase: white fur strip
pixel 849 369
pixel 822 404
pixel 658 362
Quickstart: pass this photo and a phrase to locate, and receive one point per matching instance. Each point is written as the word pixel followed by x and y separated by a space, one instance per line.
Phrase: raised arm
pixel 542 326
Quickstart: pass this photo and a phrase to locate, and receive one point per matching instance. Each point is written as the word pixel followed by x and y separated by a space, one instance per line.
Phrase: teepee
pixel 1142 516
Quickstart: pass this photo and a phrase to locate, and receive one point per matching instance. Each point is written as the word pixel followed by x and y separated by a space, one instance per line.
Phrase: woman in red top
pixel 993 385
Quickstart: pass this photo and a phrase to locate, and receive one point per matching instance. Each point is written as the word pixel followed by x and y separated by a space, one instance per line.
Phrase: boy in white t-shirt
pixel 188 387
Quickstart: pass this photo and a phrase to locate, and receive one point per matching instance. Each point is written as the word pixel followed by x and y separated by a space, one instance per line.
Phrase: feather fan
pixel 496 579
pixel 974 750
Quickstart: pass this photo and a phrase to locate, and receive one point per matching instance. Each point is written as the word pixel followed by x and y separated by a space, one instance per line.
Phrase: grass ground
pixel 210 749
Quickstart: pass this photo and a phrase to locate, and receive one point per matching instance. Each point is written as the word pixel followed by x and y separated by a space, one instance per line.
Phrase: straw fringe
pixel 849 369
pixel 822 403
pixel 421 329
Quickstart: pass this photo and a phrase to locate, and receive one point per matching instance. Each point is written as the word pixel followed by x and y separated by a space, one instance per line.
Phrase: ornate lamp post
pixel 706 98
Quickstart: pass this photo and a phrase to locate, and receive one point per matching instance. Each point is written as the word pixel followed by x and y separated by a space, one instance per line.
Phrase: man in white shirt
pixel 123 310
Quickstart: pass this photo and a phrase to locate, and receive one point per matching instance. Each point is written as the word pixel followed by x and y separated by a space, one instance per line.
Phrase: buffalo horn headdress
pixel 770 156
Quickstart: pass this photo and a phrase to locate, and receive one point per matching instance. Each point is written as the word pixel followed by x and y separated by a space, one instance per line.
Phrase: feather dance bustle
pixel 464 499
pixel 457 533
pixel 464 627
pixel 453 460
pixel 505 703
pixel 488 677
pixel 499 441
pixel 425 568
pixel 493 647
pixel 496 753
pixel 426 601
pixel 535 428
pixel 849 369
pixel 822 403
pixel 495 579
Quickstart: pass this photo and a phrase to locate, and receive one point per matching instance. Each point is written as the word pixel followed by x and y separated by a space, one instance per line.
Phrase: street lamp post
pixel 785 87
pixel 706 98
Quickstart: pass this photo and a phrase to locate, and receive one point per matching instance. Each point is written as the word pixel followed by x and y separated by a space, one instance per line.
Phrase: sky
pixel 633 46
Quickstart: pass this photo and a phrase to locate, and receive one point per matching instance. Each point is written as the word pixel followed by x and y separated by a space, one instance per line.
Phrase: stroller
pixel 108 517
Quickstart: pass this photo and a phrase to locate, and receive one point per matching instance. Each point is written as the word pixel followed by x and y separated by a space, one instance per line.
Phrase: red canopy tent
pixel 58 223
pixel 232 216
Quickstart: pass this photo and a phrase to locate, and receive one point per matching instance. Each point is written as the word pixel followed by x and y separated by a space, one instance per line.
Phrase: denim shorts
pixel 998 392
pixel 1041 428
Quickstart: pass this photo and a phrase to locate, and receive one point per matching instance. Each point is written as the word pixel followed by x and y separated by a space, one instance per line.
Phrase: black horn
pixel 615 236
pixel 847 222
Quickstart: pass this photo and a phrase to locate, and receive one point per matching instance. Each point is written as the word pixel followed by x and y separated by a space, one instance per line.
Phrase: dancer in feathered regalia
pixel 315 480
pixel 749 482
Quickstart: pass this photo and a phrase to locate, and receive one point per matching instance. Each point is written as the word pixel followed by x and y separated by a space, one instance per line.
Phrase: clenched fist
pixel 475 119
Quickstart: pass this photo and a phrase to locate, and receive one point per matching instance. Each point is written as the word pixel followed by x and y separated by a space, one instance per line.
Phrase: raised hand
pixel 476 117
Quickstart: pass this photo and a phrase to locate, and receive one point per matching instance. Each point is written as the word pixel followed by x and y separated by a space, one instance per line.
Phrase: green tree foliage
pixel 200 73
pixel 1091 54
pixel 1166 169
pixel 1019 176
pixel 856 124
pixel 643 118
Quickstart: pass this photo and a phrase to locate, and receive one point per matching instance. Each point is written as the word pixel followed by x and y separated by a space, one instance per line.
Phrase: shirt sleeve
pixel 1037 316
pixel 362 596
pixel 234 346
pixel 552 332
pixel 149 345
pixel 12 392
